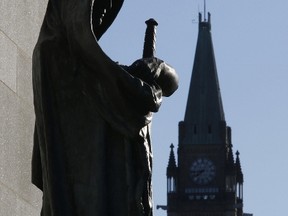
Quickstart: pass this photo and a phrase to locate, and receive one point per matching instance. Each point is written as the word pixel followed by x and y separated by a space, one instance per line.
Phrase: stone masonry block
pixel 21 21
pixel 13 205
pixel 16 126
pixel 8 59
pixel 24 78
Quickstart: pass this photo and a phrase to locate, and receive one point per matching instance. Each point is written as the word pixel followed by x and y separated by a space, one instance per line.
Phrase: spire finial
pixel 205 10
pixel 237 153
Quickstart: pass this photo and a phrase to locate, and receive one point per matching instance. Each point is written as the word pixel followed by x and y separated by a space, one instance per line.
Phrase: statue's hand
pixel 154 70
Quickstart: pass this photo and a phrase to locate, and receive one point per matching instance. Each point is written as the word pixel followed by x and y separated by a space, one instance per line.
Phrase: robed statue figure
pixel 92 148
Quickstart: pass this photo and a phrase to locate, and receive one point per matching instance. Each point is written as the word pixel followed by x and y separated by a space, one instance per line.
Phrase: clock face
pixel 202 171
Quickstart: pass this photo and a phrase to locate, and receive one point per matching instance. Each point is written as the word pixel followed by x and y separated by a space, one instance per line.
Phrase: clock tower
pixel 208 180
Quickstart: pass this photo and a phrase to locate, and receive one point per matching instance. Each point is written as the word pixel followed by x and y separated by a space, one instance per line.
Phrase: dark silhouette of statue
pixel 92 147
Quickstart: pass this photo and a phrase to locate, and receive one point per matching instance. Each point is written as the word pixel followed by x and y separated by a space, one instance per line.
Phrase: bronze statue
pixel 92 148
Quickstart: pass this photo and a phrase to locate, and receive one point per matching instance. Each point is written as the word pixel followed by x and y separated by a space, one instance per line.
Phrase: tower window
pixel 195 129
pixel 171 185
pixel 239 191
pixel 209 129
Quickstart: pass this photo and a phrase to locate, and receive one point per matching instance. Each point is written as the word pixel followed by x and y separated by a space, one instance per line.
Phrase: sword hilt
pixel 150 39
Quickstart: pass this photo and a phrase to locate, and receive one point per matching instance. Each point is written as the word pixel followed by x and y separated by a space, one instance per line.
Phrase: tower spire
pixel 204 121
pixel 239 174
pixel 205 10
pixel 206 180
pixel 172 161
pixel 171 172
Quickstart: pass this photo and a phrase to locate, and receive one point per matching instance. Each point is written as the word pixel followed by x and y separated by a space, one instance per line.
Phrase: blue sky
pixel 250 44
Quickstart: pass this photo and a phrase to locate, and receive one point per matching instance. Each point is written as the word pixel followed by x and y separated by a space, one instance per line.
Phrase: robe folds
pixel 92 149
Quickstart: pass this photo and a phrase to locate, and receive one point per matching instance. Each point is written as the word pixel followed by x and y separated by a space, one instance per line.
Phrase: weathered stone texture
pixel 19 27
pixel 8 63
pixel 21 20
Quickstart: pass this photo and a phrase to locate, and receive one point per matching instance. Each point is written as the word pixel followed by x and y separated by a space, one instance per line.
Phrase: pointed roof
pixel 204 118
pixel 172 167
pixel 239 174
pixel 172 161
pixel 230 168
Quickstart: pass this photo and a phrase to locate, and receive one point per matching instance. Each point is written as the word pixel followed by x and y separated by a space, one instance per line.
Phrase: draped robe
pixel 92 148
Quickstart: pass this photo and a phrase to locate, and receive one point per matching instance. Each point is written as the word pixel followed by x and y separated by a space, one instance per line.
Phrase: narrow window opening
pixel 195 129
pixel 171 185
pixel 209 129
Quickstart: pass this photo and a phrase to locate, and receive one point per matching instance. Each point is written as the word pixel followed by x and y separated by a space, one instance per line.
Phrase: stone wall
pixel 20 22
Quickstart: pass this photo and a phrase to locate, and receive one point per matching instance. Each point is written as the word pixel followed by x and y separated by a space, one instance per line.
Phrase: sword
pixel 150 39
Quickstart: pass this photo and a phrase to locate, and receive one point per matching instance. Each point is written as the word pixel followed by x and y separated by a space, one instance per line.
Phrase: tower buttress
pixel 239 185
pixel 171 172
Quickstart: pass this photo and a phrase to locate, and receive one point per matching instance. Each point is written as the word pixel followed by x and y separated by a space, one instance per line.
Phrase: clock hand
pixel 198 172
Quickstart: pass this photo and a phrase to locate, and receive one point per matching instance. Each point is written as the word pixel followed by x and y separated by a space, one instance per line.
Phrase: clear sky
pixel 250 42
